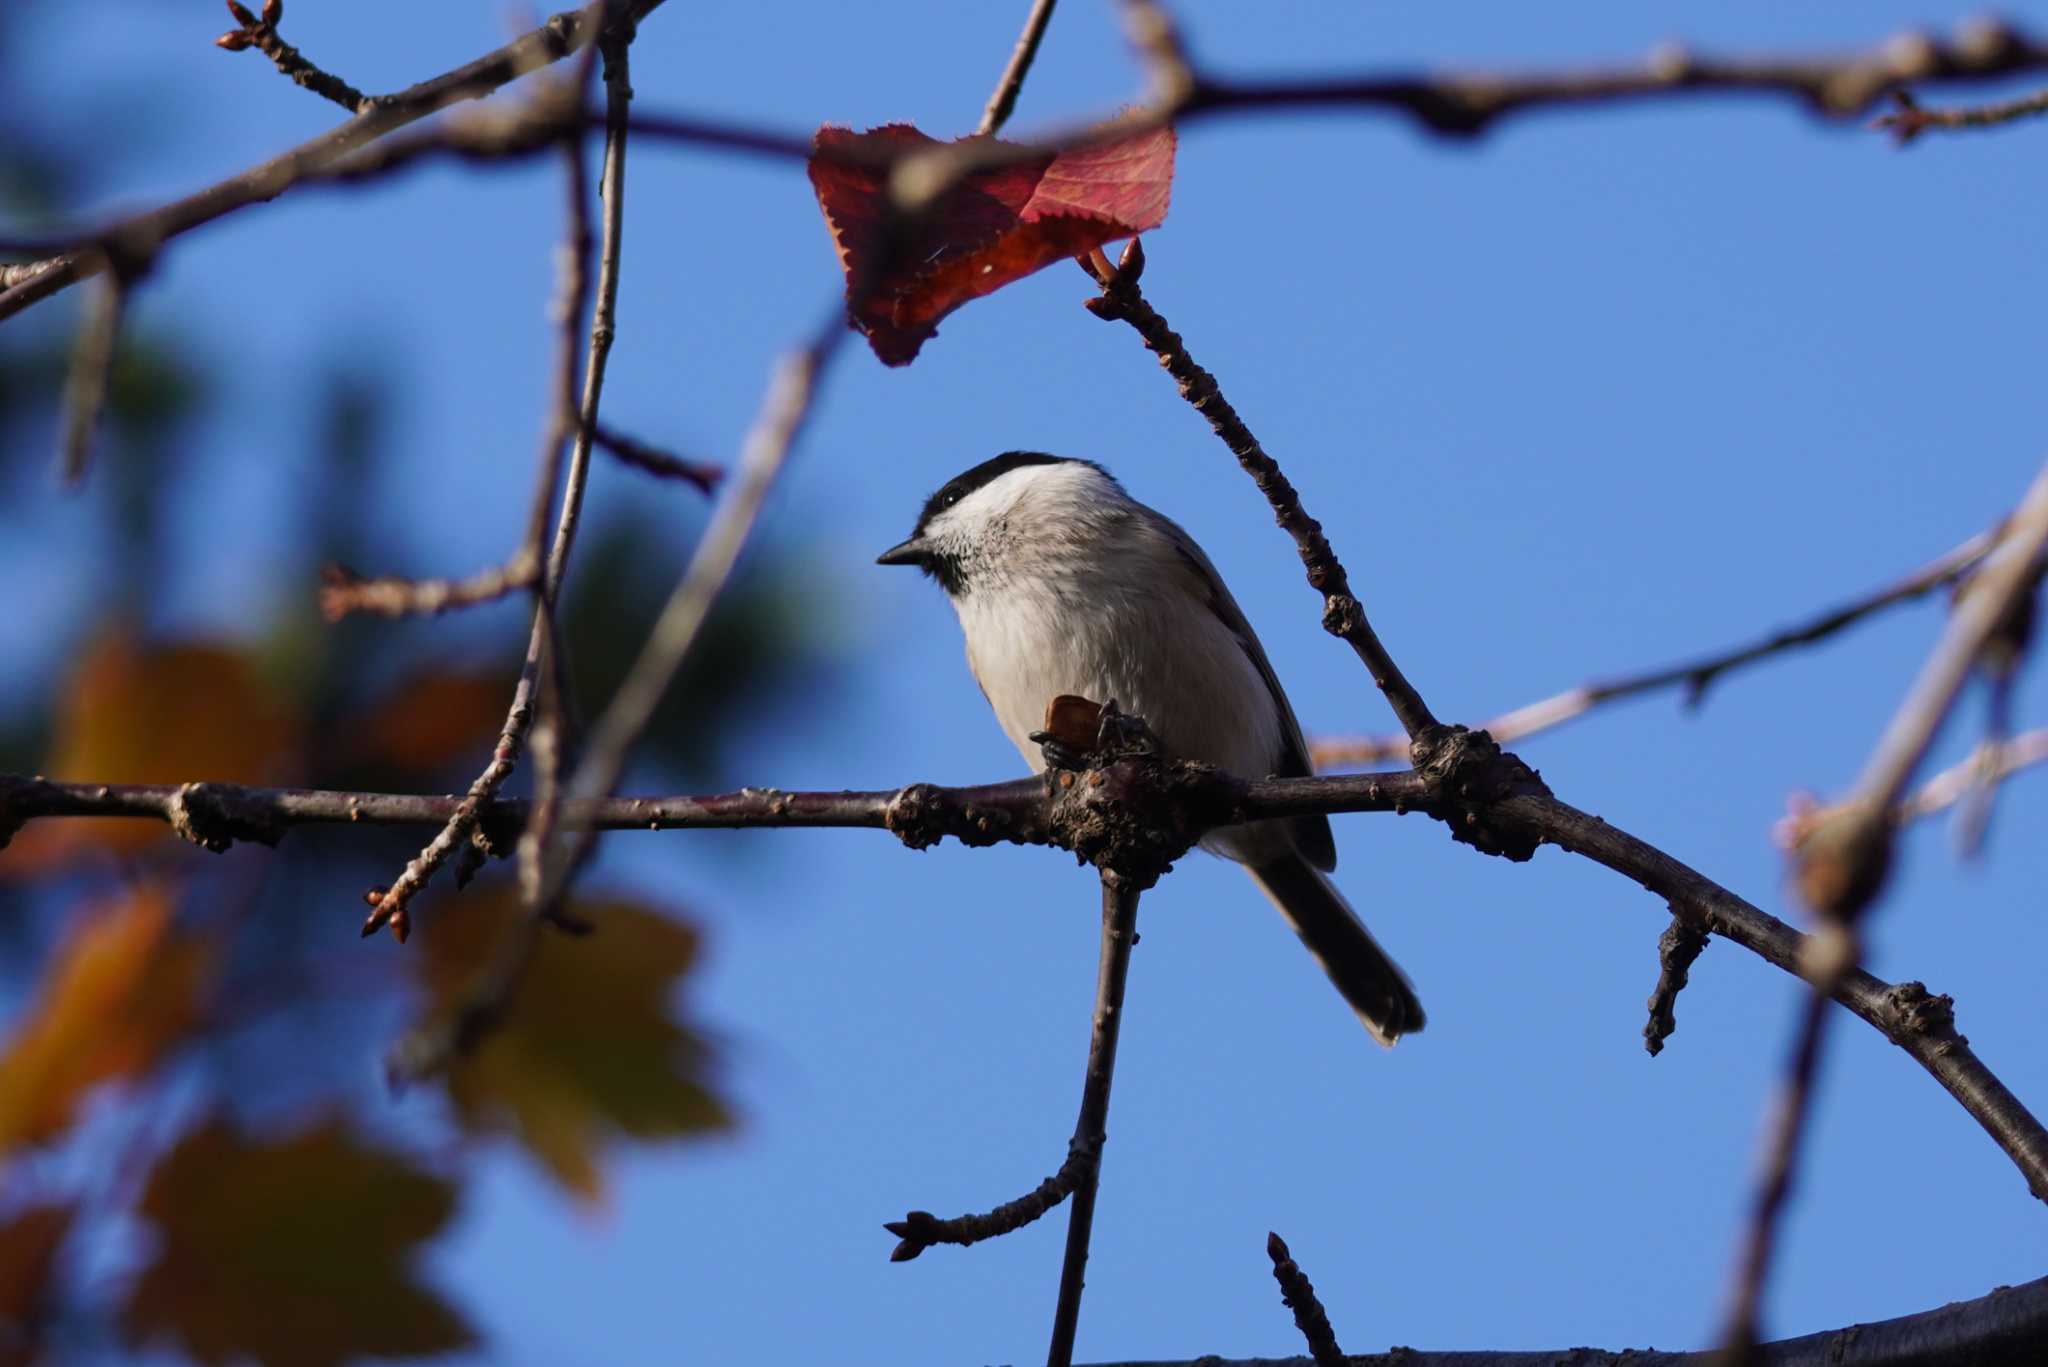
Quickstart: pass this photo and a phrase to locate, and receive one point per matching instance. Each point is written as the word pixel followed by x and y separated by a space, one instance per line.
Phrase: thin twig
pixel 2003 1329
pixel 1007 89
pixel 1091 1128
pixel 920 1229
pixel 1343 615
pixel 1987 766
pixel 1694 676
pixel 344 592
pixel 70 258
pixel 1298 1294
pixel 90 376
pixel 1912 118
pixel 260 32
pixel 784 410
pixel 1841 864
pixel 655 461
pixel 1774 1183
pixel 389 905
pixel 1677 949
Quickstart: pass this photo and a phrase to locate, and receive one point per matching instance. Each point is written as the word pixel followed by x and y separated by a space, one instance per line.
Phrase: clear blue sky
pixel 1602 389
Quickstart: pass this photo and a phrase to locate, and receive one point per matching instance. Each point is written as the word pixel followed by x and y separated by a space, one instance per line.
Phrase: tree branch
pixel 261 34
pixel 72 257
pixel 1343 615
pixel 1299 1295
pixel 1452 106
pixel 1911 118
pixel 1096 821
pixel 1004 99
pixel 1695 676
pixel 2003 1329
pixel 1091 1128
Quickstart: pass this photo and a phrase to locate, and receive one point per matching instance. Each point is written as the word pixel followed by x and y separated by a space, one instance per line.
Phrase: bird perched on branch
pixel 1065 584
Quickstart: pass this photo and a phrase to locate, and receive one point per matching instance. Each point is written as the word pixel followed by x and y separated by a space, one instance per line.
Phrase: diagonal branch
pixel 72 259
pixel 1004 99
pixel 1694 676
pixel 1343 615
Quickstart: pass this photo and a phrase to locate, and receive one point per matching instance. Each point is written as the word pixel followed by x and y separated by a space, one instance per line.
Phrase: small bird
pixel 1066 584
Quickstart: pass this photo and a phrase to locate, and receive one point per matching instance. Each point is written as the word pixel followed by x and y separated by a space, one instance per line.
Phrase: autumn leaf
pixel 115 997
pixel 295 1252
pixel 28 1255
pixel 589 1049
pixel 994 227
pixel 433 719
pixel 133 712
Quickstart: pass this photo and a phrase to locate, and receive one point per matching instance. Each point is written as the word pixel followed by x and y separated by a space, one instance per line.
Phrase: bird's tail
pixel 1361 971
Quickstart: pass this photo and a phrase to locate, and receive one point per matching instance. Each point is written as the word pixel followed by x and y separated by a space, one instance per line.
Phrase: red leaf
pixel 994 227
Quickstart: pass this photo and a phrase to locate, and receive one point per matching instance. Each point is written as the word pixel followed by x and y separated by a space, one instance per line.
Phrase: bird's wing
pixel 1311 833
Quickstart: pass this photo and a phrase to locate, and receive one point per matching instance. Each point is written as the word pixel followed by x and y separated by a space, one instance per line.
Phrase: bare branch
pixel 1910 119
pixel 343 591
pixel 920 1229
pixel 1694 676
pixel 260 32
pixel 1186 800
pixel 1456 106
pixel 1343 615
pixel 72 259
pixel 1012 83
pixel 1299 1295
pixel 1842 862
pixel 787 405
pixel 655 461
pixel 1988 765
pixel 1091 1128
pixel 2003 1329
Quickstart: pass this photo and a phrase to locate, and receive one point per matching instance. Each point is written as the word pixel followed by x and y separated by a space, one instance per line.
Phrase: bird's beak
pixel 912 552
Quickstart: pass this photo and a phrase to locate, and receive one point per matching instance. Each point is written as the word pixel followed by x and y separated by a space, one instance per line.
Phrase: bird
pixel 1065 584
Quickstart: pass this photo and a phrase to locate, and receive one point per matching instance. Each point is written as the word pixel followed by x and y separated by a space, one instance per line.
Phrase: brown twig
pixel 1004 99
pixel 343 591
pixel 1774 1183
pixel 1841 865
pixel 784 410
pixel 1677 949
pixel 655 461
pixel 1911 118
pixel 1695 676
pixel 69 258
pixel 1343 616
pixel 1091 1128
pixel 920 1229
pixel 563 419
pixel 1298 1294
pixel 260 32
pixel 2003 1329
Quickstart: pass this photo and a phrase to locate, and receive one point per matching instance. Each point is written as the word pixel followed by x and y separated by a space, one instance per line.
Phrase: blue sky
pixel 1600 390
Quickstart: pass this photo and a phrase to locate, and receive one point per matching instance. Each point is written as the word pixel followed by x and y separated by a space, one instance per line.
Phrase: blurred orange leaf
pixel 28 1254
pixel 295 1252
pixel 589 1049
pixel 434 718
pixel 994 227
pixel 133 712
pixel 114 998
